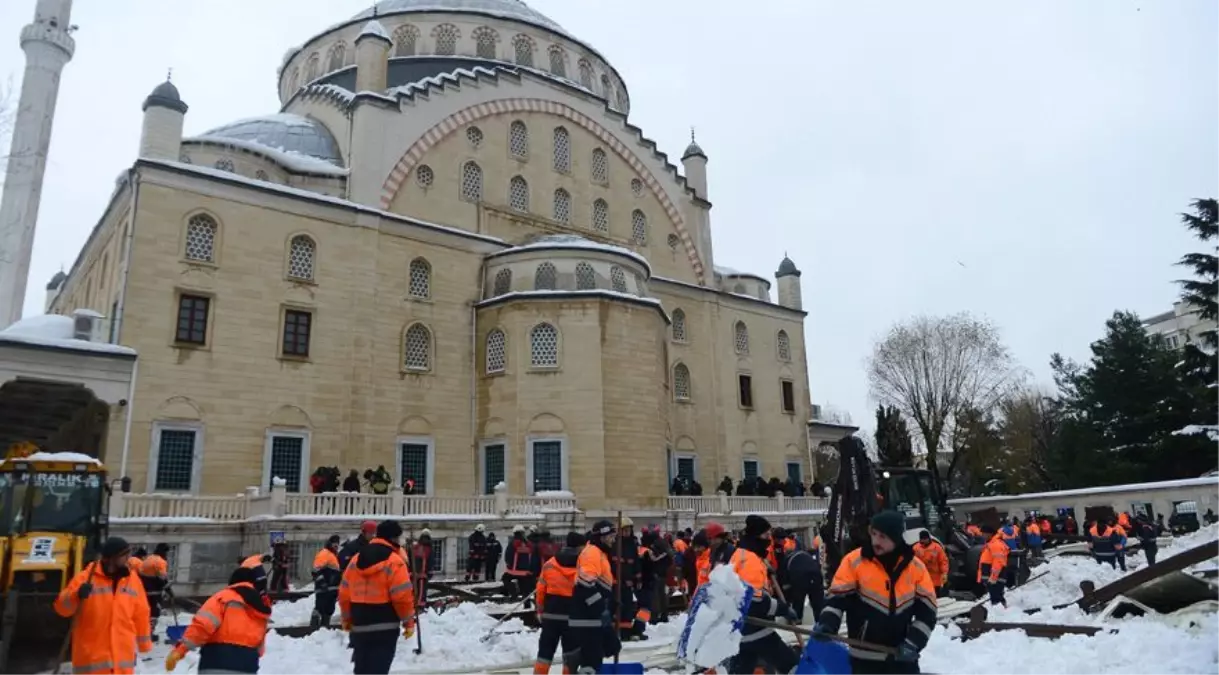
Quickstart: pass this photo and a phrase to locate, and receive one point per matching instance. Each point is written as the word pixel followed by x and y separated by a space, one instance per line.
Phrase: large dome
pixel 504 9
pixel 285 131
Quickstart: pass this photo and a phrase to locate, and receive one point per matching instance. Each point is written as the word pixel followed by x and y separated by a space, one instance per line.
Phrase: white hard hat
pixel 518 528
pixel 533 528
pixel 425 533
pixel 627 522
pixel 480 528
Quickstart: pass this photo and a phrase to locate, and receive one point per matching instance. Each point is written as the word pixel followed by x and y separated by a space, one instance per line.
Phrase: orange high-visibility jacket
pixel 936 560
pixel 230 630
pixel 112 623
pixel 751 570
pixel 891 608
pixel 376 593
pixel 993 558
pixel 325 560
pixel 155 566
pixel 134 564
pixel 556 584
pixel 594 587
pixel 252 561
pixel 702 565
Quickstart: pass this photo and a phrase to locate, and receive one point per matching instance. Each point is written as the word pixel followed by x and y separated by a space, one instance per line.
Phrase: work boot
pixel 541 668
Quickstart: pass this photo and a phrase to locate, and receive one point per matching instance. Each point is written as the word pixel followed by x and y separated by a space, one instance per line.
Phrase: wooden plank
pixel 977 625
pixel 1096 598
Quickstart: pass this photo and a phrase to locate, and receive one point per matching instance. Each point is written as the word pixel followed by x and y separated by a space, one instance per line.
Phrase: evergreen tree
pixel 893 445
pixel 977 467
pixel 1202 293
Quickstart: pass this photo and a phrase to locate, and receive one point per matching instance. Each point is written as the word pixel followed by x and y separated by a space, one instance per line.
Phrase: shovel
pixel 800 630
pixel 506 615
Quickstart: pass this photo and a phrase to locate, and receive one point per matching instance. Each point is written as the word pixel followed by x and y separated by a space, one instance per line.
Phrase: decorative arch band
pixel 448 125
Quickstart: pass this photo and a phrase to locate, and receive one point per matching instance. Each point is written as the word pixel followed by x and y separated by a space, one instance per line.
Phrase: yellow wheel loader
pixel 53 520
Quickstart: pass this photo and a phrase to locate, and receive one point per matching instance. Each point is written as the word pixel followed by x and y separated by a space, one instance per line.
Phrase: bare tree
pixel 934 368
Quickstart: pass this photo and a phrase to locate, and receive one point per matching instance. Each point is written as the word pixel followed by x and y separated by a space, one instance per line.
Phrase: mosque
pixel 450 253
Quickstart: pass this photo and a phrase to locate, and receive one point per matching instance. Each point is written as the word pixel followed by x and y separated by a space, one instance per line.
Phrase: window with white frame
pixel 496 351
pixel 586 279
pixel 518 194
pixel 503 281
pixel 495 466
pixel 301 254
pixel 518 140
pixel 562 206
pixel 679 326
pixel 687 467
pixel 600 167
pixel 201 238
pixel 741 337
pixel 415 463
pixel 639 228
pixel 750 469
pixel 544 346
pixel 546 465
pixel 446 36
pixel 783 346
pixel 417 348
pixel 287 458
pixel 617 279
pixel 545 277
pixel 177 451
pixel 601 216
pixel 562 150
pixel 681 382
pixel 471 182
pixel 421 279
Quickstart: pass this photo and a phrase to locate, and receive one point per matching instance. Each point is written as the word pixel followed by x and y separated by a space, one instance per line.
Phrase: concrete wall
pixel 1161 496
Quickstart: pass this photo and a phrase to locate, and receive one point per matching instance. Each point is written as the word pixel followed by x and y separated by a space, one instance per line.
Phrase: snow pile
pixel 712 633
pixel 296 161
pixel 1211 431
pixel 570 241
pixel 555 494
pixel 56 330
pixel 74 457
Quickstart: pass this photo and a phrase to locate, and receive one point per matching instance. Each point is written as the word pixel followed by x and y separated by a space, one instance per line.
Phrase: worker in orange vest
pixel 591 599
pixel 932 553
pixel 556 585
pixel 760 643
pixel 326 579
pixel 377 601
pixel 110 613
pixel 990 566
pixel 154 575
pixel 230 629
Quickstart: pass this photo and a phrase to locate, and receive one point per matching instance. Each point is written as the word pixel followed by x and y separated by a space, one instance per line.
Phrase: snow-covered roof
pixel 514 10
pixel 1130 487
pixel 731 272
pixel 73 457
pixel 56 331
pixel 574 241
pixel 290 159
pixel 285 131
pixel 595 292
pixel 375 29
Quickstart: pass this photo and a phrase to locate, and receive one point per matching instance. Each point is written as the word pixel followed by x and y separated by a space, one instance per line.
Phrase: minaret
pixel 48 47
pixel 161 134
pixel 788 278
pixel 694 162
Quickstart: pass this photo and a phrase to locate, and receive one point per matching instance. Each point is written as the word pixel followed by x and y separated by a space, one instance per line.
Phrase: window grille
pixel 586 74
pixel 418 348
pixel 679 325
pixel 523 47
pixel 750 469
pixel 496 351
pixel 639 227
pixel 201 238
pixel 562 206
pixel 617 279
pixel 547 465
pixel 741 338
pixel 485 40
pixel 421 278
pixel 338 56
pixel 192 319
pixel 637 187
pixel 474 136
pixel 545 277
pixel 518 194
pixel 586 279
pixel 494 465
pixel 311 68
pixel 424 176
pixel 414 458
pixel 518 140
pixel 446 35
pixel 558 61
pixel 261 175
pixel 471 183
pixel 503 281
pixel 685 468
pixel 562 150
pixel 225 165
pixel 297 330
pixel 287 459
pixel 544 346
pixel 784 346
pixel 301 253
pixel 681 382
pixel 175 459
pixel 601 216
pixel 600 166
pixel 405 38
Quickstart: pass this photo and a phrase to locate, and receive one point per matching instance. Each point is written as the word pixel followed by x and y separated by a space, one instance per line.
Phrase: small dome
pixel 165 95
pixel 693 150
pixel 787 268
pixel 285 131
pixel 374 28
pixel 56 281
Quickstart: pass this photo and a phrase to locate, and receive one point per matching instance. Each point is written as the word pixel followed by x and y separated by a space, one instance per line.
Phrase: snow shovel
pixel 823 658
pixel 506 615
pixel 174 633
pixel 800 630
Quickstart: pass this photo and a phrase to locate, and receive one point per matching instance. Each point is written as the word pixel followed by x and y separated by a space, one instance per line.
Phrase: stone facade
pixel 394 260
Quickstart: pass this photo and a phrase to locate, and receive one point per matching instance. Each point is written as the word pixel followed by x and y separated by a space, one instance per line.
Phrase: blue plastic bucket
pixel 174 634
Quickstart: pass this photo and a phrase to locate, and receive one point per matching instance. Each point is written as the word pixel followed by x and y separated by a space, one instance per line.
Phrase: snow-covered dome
pixel 514 10
pixel 285 131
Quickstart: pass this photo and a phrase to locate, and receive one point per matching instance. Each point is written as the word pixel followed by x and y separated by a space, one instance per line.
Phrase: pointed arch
pixel 462 118
pixel 417 348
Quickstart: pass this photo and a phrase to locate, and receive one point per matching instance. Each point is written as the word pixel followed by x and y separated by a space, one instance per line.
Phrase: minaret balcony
pixel 45 32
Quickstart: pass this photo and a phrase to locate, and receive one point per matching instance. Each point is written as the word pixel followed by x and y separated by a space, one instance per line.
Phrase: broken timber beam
pixel 977 625
pixel 1096 598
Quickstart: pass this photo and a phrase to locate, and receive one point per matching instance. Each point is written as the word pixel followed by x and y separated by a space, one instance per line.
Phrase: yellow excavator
pixel 53 519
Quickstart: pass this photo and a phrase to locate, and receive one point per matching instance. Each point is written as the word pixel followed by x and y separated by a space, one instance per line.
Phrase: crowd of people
pixel 378 481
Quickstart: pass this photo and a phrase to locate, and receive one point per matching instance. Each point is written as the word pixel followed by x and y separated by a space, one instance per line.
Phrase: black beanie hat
pixel 892 524
pixel 334 539
pixel 575 540
pixel 756 526
pixel 161 549
pixel 115 546
pixel 389 530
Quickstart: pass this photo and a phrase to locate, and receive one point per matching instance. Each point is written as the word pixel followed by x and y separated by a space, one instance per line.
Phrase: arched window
pixel 405 38
pixel 518 194
pixel 623 102
pixel 424 176
pixel 562 206
pixel 681 382
pixel 522 45
pixel 586 280
pixel 783 346
pixel 637 187
pixel 485 40
pixel 421 279
pixel 301 254
pixel 639 227
pixel 739 289
pixel 225 165
pixel 673 241
pixel 471 182
pixel 261 175
pixel 562 150
pixel 446 35
pixel 558 61
pixel 600 166
pixel 544 346
pixel 679 326
pixel 607 89
pixel 311 67
pixel 617 279
pixel 545 277
pixel 586 74
pixel 201 238
pixel 294 80
pixel 601 216
pixel 475 136
pixel 497 352
pixel 503 281
pixel 518 140
pixel 337 56
pixel 741 337
pixel 417 348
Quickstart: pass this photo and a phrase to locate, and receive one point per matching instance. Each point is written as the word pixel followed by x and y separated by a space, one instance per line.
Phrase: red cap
pixel 369 527
pixel 714 530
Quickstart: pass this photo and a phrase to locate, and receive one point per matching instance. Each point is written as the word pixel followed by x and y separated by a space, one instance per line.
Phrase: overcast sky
pixel 1025 161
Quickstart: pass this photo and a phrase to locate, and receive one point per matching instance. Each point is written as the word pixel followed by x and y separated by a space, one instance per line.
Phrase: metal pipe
pixel 121 311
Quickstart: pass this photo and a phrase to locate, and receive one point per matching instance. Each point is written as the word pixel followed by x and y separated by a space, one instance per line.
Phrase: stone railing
pixel 277 503
pixel 723 504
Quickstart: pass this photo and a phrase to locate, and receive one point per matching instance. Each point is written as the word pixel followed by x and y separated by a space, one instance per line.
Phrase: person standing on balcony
pixel 352 482
pixel 476 553
pixel 494 551
pixel 154 574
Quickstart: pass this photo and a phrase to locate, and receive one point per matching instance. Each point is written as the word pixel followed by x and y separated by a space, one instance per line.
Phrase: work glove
pixel 408 629
pixel 85 590
pixel 906 653
pixel 345 624
pixel 820 632
pixel 174 656
pixel 790 614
